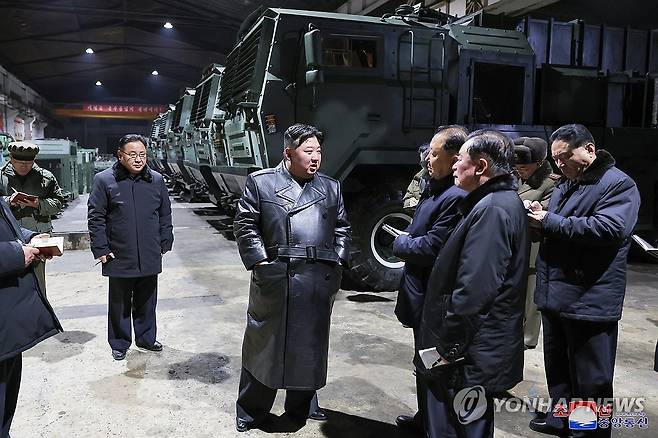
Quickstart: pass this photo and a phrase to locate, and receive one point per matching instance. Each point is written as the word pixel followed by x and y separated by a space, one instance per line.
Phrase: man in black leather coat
pixel 292 233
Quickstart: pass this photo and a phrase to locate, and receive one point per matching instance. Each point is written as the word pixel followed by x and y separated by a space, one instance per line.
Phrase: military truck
pixel 206 121
pixel 178 149
pixel 160 144
pixel 379 87
pixel 154 150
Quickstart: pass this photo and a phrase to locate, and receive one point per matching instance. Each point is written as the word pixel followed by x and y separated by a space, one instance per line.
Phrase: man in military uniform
pixel 418 182
pixel 536 184
pixel 293 234
pixel 22 174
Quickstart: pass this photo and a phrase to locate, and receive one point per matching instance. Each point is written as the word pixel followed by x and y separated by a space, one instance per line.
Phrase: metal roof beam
pixel 112 23
pixel 151 17
pixel 111 49
pixel 120 45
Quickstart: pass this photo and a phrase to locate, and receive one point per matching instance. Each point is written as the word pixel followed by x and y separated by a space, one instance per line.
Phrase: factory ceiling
pixel 49 43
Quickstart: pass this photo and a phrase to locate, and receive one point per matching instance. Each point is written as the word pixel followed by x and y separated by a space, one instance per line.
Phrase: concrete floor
pixel 72 388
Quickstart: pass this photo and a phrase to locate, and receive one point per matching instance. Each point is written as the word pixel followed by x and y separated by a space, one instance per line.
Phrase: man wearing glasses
pixel 581 271
pixel 129 219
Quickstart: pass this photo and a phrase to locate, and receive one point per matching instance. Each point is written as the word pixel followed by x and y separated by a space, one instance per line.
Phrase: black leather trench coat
pixel 303 233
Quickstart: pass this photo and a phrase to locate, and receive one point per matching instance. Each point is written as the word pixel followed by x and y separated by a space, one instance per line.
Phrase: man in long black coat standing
pixel 25 314
pixel 129 220
pixel 471 330
pixel 581 272
pixel 293 234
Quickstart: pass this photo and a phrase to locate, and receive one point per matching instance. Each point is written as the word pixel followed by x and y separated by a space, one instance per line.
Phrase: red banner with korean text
pixel 112 110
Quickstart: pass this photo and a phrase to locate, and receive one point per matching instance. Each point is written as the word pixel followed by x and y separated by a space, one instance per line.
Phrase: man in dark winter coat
pixel 129 219
pixel 537 182
pixel 581 270
pixel 433 219
pixel 292 233
pixel 26 316
pixel 471 335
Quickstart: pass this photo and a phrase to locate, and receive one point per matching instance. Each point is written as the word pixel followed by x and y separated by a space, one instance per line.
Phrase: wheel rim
pixel 381 242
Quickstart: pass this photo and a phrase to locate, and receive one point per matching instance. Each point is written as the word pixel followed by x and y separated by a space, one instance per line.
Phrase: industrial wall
pixel 21 109
pixel 97 133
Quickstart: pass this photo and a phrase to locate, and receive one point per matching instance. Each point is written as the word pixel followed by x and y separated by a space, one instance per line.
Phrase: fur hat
pixel 530 150
pixel 23 150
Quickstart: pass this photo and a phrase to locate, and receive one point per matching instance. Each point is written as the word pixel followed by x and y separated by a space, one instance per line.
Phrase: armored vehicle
pixel 155 151
pixel 379 87
pixel 177 138
pixel 206 123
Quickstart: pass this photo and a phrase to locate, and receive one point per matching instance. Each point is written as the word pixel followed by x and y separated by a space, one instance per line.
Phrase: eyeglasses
pixel 134 155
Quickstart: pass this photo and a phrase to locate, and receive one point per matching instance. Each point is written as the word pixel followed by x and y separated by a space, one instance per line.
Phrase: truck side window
pixel 348 51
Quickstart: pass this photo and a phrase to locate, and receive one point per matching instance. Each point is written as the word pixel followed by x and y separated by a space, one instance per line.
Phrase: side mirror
pixel 312 48
pixel 314 77
pixel 313 54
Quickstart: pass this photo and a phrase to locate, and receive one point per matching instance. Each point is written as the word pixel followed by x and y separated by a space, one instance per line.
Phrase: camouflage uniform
pixel 39 182
pixel 538 187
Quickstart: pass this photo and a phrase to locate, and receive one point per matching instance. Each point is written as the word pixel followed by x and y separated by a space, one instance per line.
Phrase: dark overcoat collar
pixel 121 173
pixel 436 187
pixel 286 188
pixel 495 184
pixel 593 174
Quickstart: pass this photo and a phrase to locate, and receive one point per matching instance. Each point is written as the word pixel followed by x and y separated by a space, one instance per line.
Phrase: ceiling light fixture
pixel 99 83
pixel 155 73
pixel 168 25
pixel 89 50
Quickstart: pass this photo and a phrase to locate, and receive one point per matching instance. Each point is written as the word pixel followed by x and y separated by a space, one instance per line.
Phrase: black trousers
pixel 421 389
pixel 441 420
pixel 10 383
pixel 255 400
pixel 579 357
pixel 137 297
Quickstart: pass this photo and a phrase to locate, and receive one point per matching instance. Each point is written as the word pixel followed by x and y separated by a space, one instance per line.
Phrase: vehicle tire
pixel 372 263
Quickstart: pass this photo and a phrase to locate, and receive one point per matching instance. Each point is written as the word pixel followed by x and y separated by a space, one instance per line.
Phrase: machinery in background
pixel 379 87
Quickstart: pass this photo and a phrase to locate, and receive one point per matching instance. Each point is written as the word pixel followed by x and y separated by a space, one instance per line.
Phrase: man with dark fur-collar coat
pixel 129 220
pixel 581 271
pixel 536 184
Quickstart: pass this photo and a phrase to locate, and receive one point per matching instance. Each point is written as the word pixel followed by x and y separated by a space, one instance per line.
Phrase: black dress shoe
pixel 408 422
pixel 539 424
pixel 155 347
pixel 119 354
pixel 318 415
pixel 242 425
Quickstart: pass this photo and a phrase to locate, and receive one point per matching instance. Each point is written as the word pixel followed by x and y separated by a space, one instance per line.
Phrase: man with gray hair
pixel 471 330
